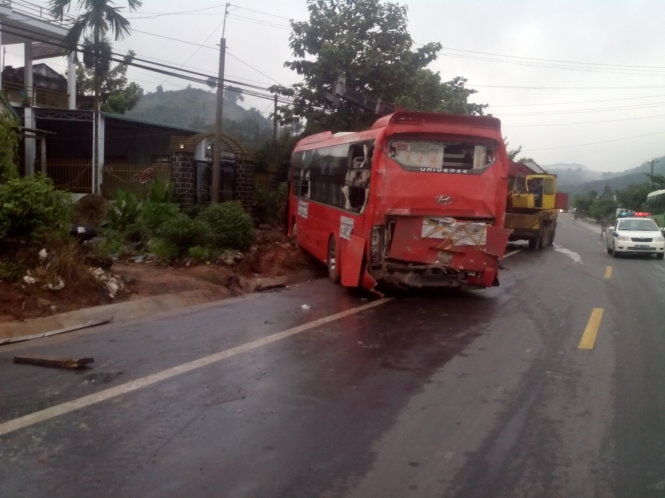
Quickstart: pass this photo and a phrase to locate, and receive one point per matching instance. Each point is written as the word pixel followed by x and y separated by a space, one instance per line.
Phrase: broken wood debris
pixel 49 361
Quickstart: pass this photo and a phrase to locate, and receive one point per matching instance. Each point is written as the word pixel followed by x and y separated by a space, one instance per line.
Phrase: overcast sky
pixel 572 81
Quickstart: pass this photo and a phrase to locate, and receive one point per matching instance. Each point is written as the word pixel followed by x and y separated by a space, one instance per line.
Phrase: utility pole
pixel 274 121
pixel 651 177
pixel 217 148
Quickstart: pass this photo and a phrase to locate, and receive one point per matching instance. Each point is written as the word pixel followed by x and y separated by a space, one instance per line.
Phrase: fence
pixel 72 175
pixel 132 177
pixel 75 175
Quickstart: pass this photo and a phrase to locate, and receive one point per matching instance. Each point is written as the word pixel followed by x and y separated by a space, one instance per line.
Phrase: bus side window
pixel 305 185
pixel 356 182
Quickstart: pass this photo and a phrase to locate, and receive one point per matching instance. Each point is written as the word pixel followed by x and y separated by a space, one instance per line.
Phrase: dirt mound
pixel 273 255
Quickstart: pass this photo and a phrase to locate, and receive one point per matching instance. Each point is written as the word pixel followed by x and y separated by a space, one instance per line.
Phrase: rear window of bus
pixel 438 155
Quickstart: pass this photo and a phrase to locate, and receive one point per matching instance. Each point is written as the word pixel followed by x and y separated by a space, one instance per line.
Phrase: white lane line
pixel 135 385
pixel 571 254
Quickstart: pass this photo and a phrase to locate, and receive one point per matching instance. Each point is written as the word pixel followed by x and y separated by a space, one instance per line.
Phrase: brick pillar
pixel 182 177
pixel 245 185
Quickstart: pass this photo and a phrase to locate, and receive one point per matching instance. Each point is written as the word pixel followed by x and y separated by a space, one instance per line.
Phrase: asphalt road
pixel 551 385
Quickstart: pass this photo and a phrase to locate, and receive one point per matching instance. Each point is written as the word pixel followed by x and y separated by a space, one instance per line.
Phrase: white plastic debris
pixel 58 285
pixel 305 307
pixel 43 255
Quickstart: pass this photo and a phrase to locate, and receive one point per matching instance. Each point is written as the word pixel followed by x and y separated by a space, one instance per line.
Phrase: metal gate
pixel 203 181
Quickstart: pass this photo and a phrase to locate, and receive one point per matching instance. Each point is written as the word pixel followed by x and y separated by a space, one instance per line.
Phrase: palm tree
pixel 97 19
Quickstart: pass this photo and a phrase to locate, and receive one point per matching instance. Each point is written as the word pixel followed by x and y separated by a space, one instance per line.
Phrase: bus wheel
pixel 332 260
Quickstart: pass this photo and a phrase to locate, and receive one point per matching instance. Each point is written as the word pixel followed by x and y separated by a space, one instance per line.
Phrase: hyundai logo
pixel 444 199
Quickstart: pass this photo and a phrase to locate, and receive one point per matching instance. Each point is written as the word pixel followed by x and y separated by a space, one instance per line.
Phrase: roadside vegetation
pixel 598 205
pixel 47 238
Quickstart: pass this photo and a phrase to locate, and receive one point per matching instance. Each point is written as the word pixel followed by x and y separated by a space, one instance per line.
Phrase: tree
pixel 9 140
pixel 98 18
pixel 367 42
pixel 633 196
pixel 115 94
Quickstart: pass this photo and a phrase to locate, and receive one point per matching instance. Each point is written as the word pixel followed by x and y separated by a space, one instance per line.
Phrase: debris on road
pixel 89 323
pixel 48 361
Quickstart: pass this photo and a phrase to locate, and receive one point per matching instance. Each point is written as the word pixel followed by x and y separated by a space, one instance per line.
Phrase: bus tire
pixel 332 260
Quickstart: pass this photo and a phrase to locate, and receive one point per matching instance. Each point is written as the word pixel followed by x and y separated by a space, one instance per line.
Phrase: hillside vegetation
pixel 576 179
pixel 196 108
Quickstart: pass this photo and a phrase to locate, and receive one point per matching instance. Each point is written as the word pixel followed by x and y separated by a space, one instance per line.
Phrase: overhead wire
pixel 166 69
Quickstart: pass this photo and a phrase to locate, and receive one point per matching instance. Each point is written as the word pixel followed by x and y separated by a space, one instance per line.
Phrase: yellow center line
pixel 608 272
pixel 588 339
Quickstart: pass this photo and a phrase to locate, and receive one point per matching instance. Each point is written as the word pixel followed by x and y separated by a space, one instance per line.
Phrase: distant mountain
pixel 196 108
pixel 574 174
pixel 578 179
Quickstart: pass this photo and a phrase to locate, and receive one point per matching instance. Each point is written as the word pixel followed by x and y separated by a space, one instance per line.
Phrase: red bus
pixel 417 200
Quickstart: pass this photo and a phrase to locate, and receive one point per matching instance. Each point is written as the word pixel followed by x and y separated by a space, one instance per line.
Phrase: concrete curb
pixel 125 311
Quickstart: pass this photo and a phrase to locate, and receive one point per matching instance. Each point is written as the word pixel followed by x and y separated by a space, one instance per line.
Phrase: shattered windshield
pixel 439 155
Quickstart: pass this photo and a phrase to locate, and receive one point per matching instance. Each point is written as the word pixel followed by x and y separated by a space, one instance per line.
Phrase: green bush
pixel 199 253
pixel 123 211
pixel 11 270
pixel 229 226
pixel 9 141
pixel 155 214
pixel 182 232
pixel 160 191
pixel 164 251
pixel 110 242
pixel 30 207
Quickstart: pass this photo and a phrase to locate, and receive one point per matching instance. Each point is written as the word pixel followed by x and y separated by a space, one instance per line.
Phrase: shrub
pixel 30 207
pixel 160 191
pixel 164 251
pixel 110 242
pixel 9 140
pixel 199 253
pixel 123 211
pixel 229 226
pixel 155 214
pixel 11 270
pixel 182 232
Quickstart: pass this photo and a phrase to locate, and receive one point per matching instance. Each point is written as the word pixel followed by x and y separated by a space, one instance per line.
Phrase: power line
pixel 578 123
pixel 165 69
pixel 579 101
pixel 597 143
pixel 554 63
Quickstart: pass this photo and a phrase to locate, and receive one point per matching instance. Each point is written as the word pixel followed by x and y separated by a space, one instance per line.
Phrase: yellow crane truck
pixel 531 205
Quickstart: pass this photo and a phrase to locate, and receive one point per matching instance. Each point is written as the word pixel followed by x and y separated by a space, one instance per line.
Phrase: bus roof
pixel 415 117
pixel 401 120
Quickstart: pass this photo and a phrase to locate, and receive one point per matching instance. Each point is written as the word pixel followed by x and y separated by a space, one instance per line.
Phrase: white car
pixel 635 236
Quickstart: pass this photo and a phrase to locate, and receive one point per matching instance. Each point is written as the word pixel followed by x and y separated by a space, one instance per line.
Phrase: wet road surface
pixel 318 391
